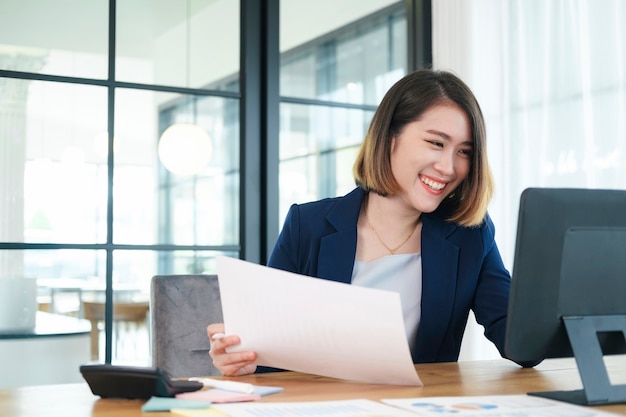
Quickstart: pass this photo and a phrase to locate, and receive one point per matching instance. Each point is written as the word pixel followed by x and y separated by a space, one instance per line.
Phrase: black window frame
pixel 259 102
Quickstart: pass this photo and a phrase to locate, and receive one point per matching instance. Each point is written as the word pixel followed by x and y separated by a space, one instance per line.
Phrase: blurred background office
pixel 100 190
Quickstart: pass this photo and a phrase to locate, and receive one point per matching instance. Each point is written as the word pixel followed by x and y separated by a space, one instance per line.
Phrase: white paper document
pixel 346 408
pixel 315 326
pixel 494 406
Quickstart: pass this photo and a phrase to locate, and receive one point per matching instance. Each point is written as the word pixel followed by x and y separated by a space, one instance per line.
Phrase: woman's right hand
pixel 229 364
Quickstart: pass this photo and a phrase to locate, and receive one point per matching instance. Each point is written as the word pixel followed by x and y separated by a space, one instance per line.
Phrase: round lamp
pixel 185 149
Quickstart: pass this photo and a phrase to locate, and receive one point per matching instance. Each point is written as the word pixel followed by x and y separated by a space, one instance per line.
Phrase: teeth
pixel 432 184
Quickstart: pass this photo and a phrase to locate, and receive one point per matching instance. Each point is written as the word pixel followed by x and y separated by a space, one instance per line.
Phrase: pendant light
pixel 185 148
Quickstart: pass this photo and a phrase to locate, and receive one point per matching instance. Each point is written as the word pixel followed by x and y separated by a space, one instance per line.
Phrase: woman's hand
pixel 229 364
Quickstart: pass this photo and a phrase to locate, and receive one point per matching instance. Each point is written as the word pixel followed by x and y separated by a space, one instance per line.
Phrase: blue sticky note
pixel 266 390
pixel 166 404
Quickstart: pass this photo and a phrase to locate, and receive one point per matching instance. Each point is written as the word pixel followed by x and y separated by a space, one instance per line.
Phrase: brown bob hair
pixel 405 102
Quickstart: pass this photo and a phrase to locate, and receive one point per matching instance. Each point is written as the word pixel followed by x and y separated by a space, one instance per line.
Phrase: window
pixel 87 202
pixel 330 87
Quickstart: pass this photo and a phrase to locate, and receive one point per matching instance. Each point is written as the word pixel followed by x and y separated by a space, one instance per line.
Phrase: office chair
pixel 181 307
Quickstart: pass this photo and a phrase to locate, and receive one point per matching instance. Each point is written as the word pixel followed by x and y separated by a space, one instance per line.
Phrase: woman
pixel 417 223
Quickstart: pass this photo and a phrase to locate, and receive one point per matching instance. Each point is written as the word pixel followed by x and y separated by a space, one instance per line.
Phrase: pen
pixel 226 385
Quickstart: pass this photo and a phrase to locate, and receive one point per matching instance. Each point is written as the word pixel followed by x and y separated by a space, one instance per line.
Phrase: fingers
pixel 229 364
pixel 247 369
pixel 214 328
pixel 219 343
pixel 235 363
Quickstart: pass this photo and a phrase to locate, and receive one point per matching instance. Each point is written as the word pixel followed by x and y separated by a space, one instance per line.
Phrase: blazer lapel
pixel 439 268
pixel 337 250
pixel 439 276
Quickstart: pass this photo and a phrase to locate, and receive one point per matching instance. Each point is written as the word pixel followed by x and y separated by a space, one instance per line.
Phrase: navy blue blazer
pixel 461 269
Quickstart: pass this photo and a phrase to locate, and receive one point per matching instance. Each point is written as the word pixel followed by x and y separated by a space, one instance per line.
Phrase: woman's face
pixel 432 156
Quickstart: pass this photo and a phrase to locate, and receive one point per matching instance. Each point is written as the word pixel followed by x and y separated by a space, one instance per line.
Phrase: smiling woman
pixel 438 147
pixel 416 224
pixel 431 108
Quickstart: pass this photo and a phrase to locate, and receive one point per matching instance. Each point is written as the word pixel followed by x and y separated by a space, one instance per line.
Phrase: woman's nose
pixel 445 163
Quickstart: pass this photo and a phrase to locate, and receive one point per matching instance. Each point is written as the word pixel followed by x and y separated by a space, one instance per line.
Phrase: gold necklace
pixel 392 251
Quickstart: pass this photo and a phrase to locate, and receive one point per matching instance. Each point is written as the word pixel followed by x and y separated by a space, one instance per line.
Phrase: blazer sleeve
pixel 492 293
pixel 285 253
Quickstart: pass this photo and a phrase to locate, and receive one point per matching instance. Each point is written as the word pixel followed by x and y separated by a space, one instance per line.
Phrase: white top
pixel 399 273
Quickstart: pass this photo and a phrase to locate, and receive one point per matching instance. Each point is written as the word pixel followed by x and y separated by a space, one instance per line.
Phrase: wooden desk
pixel 444 379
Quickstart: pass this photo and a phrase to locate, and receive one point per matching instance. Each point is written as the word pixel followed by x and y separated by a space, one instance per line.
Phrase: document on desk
pixel 493 406
pixel 315 326
pixel 345 408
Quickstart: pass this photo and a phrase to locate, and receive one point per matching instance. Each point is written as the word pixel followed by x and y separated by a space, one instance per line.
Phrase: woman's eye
pixel 467 152
pixel 435 143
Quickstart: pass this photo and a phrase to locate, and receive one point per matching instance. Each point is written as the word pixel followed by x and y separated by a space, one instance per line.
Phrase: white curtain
pixel 550 76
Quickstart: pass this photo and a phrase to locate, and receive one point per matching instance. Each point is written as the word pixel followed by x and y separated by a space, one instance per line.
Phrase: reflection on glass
pixel 68 38
pixel 177 42
pixel 54 143
pixel 356 63
pixel 130 331
pixel 353 63
pixel 154 205
pixel 53 159
pixel 317 149
pixel 62 275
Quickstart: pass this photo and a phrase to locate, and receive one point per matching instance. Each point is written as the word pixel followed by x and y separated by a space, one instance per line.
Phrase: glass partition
pixel 95 189
pixel 53 153
pixel 317 149
pixel 352 58
pixel 178 203
pixel 64 38
pixel 332 77
pixel 192 43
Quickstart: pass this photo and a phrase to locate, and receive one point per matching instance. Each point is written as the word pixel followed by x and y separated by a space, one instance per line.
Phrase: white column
pixel 13 152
